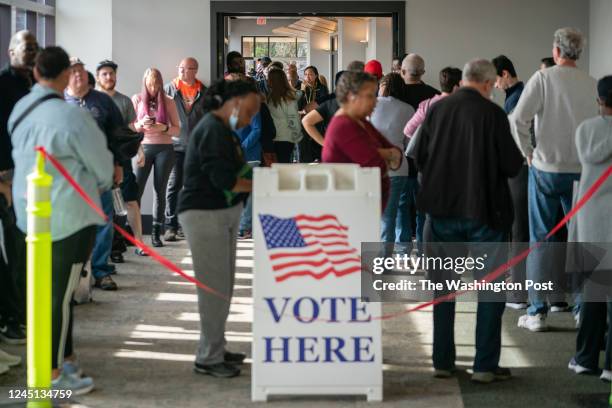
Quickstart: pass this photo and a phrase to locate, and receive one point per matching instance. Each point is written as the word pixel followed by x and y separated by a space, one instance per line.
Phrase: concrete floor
pixel 138 344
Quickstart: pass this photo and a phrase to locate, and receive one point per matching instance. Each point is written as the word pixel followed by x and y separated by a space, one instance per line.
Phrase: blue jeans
pixel 246 218
pixel 104 240
pixel 546 191
pixel 407 204
pixel 488 314
pixel 395 225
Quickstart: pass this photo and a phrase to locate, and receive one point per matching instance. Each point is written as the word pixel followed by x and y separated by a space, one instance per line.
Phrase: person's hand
pixel 118 175
pixel 5 190
pixel 310 106
pixel 395 159
pixel 529 158
pixel 160 127
pixel 269 159
pixel 140 158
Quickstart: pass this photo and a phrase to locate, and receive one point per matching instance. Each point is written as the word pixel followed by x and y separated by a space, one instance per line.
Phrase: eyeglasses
pixel 187 68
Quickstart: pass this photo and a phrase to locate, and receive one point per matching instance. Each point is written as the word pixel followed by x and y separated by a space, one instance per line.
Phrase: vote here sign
pixel 311 332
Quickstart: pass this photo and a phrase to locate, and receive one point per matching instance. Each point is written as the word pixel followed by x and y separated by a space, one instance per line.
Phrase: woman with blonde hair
pixel 157 118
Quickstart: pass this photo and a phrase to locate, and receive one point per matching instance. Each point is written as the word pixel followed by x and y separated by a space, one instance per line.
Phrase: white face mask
pixel 233 119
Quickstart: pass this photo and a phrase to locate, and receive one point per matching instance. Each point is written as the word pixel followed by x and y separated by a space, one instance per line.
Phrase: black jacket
pixel 466 155
pixel 13 87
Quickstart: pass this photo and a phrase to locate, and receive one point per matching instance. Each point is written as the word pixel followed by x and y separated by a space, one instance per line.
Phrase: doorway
pixel 222 11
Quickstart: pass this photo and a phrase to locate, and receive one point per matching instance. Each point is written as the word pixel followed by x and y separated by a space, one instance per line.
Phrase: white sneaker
pixel 9 359
pixel 4 369
pixel 577 368
pixel 535 323
pixel 516 305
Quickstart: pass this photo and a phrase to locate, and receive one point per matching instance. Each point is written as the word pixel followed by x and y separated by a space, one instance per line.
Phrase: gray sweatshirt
pixel 559 98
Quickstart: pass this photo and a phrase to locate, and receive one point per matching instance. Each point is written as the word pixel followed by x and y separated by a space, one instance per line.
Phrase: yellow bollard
pixel 39 281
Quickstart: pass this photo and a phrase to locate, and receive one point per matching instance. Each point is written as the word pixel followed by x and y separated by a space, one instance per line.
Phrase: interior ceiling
pixel 303 26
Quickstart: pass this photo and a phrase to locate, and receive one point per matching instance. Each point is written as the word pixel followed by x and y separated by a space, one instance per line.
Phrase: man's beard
pixel 109 87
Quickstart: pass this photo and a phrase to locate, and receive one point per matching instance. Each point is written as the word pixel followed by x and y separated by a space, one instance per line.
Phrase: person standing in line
pixel 351 138
pixel 317 120
pixel 388 118
pixel 210 204
pixel 466 154
pixel 106 73
pixel 71 135
pixel 314 93
pixel 594 225
pixel 187 92
pixel 413 69
pixel 450 81
pixel 107 116
pixel 559 98
pixel 157 118
pixel 283 106
pixel 16 80
pixel 507 81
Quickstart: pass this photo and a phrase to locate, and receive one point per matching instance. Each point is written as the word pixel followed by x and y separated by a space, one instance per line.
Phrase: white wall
pixel 600 35
pixel 447 32
pixel 380 42
pixel 350 33
pixel 85 29
pixel 318 47
pixel 240 27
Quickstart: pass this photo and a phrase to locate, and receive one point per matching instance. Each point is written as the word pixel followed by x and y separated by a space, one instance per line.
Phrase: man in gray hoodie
pixel 559 98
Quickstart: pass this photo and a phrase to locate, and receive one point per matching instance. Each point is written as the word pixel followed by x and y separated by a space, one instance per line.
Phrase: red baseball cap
pixel 373 67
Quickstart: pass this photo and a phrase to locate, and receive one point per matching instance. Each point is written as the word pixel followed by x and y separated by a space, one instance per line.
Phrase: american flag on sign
pixel 305 245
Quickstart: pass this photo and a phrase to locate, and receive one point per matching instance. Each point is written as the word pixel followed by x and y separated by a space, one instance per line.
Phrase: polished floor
pixel 138 344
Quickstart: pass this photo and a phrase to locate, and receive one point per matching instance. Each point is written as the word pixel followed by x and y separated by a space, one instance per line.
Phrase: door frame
pixel 219 10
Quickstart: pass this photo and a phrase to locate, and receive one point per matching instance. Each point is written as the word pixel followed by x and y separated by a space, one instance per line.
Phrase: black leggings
pixel 160 158
pixel 283 151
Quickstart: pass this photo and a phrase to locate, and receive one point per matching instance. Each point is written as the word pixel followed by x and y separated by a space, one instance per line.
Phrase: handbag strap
pixel 31 108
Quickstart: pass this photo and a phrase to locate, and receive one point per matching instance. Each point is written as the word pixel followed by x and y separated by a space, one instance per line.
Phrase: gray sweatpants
pixel 212 236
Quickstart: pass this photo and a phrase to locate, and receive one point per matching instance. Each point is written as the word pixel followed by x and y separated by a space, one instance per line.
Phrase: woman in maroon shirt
pixel 350 138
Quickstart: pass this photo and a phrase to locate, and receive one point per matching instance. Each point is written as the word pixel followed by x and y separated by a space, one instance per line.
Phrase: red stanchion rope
pixel 174 268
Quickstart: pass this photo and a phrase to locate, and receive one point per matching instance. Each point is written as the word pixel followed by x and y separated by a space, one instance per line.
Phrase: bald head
pixel 187 70
pixel 22 50
pixel 413 68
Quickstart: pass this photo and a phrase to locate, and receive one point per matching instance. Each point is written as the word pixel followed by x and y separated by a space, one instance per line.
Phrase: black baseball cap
pixel 106 63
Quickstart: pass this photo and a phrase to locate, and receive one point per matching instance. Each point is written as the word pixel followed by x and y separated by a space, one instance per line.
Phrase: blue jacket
pixel 250 139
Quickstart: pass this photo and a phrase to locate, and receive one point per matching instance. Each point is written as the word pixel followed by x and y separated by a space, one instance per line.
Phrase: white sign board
pixel 311 332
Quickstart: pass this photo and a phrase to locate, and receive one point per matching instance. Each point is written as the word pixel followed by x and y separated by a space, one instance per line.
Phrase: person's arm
pixel 359 149
pixel 594 150
pixel 92 152
pixel 530 103
pixel 173 128
pixel 242 185
pixel 131 117
pixel 254 135
pixel 310 122
pixel 510 157
pixel 139 125
pixel 5 190
pixel 416 121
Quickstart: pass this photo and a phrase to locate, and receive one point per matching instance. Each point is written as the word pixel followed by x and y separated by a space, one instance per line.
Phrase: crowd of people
pixel 455 167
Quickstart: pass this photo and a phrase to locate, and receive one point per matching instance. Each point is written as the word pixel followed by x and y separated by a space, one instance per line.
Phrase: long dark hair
pixel 222 91
pixel 280 89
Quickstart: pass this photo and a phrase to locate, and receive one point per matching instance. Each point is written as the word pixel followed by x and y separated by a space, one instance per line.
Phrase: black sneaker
pixel 106 283
pixel 220 370
pixel 11 333
pixel 234 358
pixel 117 257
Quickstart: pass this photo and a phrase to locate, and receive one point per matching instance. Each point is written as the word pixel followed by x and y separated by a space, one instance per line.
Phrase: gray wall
pixel 447 32
pixel 601 38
